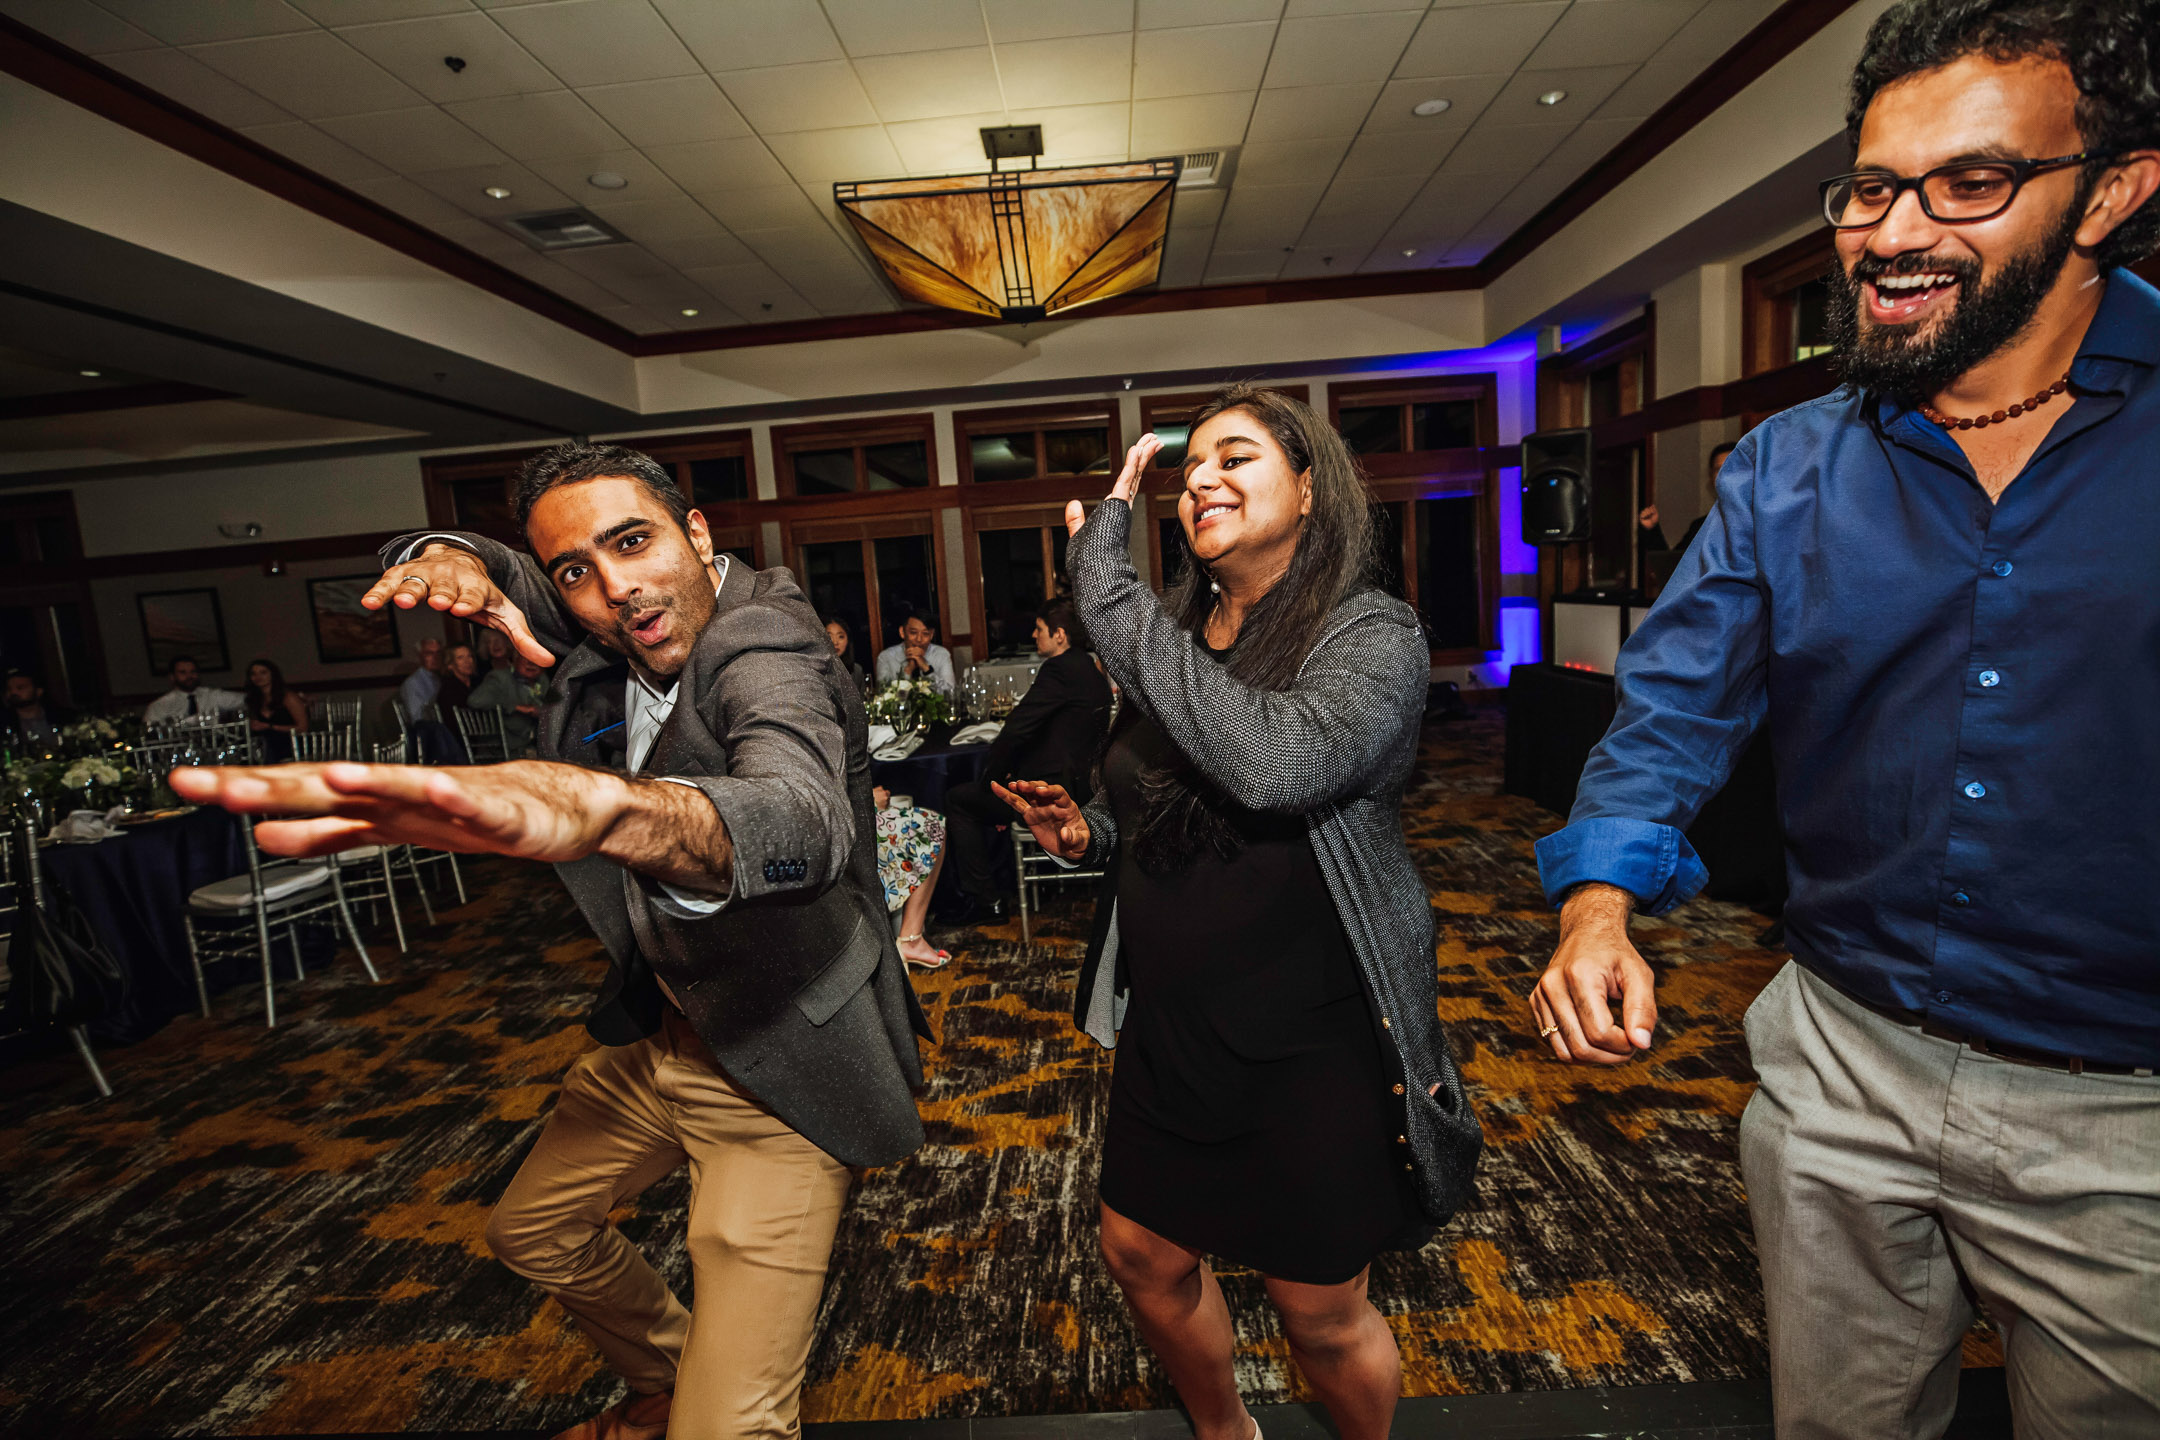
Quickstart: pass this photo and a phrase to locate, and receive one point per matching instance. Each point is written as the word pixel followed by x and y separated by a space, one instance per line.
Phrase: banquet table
pixel 133 888
pixel 932 770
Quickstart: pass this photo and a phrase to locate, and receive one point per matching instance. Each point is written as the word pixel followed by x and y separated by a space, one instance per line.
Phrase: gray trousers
pixel 1894 1178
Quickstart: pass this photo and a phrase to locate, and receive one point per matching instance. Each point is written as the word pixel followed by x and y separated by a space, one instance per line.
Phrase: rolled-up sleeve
pixel 1691 693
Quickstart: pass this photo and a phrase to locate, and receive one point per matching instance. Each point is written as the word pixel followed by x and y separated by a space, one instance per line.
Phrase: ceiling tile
pixel 569 175
pixel 925 84
pixel 1073 133
pixel 950 146
pixel 818 158
pixel 1321 259
pixel 313 75
pixel 1168 14
pixel 79 25
pixel 466 187
pixel 180 77
pixel 1189 122
pixel 764 208
pixel 675 218
pixel 482 238
pixel 410 141
pixel 1303 8
pixel 1197 209
pixel 1341 235
pixel 1399 153
pixel 1480 40
pixel 1454 200
pixel 599 42
pixel 1016 20
pixel 751 290
pixel 1185 258
pixel 538 127
pixel 1384 196
pixel 410 200
pixel 567 283
pixel 715 248
pixel 1229 267
pixel 743 163
pixel 799 97
pixel 367 12
pixel 1467 97
pixel 1506 148
pixel 1291 162
pixel 749 34
pixel 1645 92
pixel 192 22
pixel 1089 70
pixel 1335 50
pixel 1610 32
pixel 1258 216
pixel 667 112
pixel 1202 59
pixel 1312 111
pixel 1517 102
pixel 413 50
pixel 879 27
pixel 301 141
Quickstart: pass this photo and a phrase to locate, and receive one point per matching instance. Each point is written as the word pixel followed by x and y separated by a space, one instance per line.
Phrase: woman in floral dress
pixel 910 852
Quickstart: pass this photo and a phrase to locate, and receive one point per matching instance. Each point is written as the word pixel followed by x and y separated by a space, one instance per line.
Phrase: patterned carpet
pixel 281 1231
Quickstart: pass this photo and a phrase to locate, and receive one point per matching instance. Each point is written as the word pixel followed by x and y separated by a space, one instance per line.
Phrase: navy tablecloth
pixel 931 771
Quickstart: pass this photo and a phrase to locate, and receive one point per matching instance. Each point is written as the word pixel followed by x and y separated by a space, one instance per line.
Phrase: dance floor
pixel 271 1232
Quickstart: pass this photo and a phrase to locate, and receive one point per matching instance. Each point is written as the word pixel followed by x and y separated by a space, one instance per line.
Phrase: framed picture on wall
pixel 183 622
pixel 345 629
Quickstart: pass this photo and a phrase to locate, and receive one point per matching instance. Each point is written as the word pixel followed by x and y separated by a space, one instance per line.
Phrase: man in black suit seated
pixel 704 793
pixel 1052 734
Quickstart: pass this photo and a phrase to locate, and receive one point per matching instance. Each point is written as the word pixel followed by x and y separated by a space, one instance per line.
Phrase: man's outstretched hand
pixel 451 578
pixel 533 809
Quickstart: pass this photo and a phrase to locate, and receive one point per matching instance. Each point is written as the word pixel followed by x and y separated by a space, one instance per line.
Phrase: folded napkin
pixel 87 827
pixel 881 736
pixel 981 733
pixel 899 749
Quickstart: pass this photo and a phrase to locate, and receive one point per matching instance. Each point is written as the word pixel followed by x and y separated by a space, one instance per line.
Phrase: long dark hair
pixel 1184 813
pixel 275 697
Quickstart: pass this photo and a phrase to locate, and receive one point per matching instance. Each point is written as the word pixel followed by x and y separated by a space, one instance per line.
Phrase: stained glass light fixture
pixel 1017 244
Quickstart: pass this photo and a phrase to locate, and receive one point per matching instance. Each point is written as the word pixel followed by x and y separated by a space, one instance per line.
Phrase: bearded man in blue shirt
pixel 1939 589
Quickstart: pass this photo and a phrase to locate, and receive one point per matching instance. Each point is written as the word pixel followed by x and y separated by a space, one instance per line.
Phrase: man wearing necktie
pixel 189 698
pixel 704 792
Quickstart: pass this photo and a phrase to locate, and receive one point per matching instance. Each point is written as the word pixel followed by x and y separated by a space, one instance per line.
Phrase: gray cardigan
pixel 1338 748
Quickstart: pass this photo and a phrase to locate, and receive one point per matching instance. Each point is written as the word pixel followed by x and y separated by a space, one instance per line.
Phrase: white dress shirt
pixel 892 661
pixel 209 703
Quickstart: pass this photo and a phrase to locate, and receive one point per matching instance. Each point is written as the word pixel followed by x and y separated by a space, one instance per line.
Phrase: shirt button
pixel 2002 567
pixel 1974 790
pixel 1989 679
pixel 1943 997
pixel 1398 1089
pixel 1961 899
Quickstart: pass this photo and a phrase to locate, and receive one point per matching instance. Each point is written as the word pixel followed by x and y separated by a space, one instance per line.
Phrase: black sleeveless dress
pixel 1251 1109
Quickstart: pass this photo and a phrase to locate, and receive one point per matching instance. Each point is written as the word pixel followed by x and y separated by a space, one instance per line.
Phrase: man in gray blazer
pixel 704 792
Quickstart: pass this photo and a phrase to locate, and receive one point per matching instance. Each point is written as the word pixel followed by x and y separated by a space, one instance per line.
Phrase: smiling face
pixel 462 664
pixel 1924 301
pixel 640 583
pixel 1243 505
pixel 915 633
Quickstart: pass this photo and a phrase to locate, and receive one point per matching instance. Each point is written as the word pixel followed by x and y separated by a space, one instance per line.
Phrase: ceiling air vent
pixel 564 230
pixel 1207 170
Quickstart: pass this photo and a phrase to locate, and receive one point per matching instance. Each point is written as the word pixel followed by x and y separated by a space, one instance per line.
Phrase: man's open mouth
pixel 1902 299
pixel 651 627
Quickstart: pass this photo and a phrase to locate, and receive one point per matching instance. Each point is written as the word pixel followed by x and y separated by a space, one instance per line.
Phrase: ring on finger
pixel 420 580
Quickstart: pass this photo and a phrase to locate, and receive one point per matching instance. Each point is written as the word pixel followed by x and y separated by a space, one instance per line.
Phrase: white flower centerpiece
pixel 909 705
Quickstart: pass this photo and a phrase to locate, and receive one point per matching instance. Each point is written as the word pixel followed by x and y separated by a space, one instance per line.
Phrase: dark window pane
pixel 1012 570
pixel 1170 534
pixel 718 478
pixel 19 638
pixel 743 553
pixel 1615 481
pixel 11 551
pixel 1811 320
pixel 906 578
pixel 54 540
pixel 901 465
pixel 1076 452
pixel 824 472
pixel 1060 582
pixel 833 577
pixel 482 504
pixel 72 684
pixel 1387 570
pixel 1173 434
pixel 1604 386
pixel 1447 571
pixel 1004 456
pixel 1372 429
pixel 1444 425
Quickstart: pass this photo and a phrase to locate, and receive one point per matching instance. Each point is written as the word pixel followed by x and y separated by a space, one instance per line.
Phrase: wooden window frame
pixel 1012 513
pixel 856 435
pixel 1037 419
pixel 868 530
pixel 1767 287
pixel 1563 403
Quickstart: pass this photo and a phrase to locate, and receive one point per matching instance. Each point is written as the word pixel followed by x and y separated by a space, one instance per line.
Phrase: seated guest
pixel 1052 735
pixel 190 698
pixel 843 645
pixel 515 689
pixel 461 671
pixel 918 653
pixel 28 720
pixel 274 712
pixel 420 688
pixel 1717 463
pixel 910 853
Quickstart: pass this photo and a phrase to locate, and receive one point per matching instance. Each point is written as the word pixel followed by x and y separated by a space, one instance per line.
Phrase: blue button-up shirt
pixel 1963 699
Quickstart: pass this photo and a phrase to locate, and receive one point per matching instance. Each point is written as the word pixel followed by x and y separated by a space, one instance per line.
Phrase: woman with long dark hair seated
pixel 1283 1096
pixel 273 711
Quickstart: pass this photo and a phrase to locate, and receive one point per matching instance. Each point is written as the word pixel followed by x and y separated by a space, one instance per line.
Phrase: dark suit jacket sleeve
pixel 1029 718
pixel 517 575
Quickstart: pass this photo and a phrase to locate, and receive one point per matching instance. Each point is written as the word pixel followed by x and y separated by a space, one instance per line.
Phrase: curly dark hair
pixel 572 461
pixel 2111 46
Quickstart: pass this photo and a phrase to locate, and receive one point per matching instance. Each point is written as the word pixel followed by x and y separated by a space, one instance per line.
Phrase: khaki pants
pixel 1894 1177
pixel 764 1203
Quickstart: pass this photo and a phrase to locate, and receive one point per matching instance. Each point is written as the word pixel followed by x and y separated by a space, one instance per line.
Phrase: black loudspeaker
pixel 1555 487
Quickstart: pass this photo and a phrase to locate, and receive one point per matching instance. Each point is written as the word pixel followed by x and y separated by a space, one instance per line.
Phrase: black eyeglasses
pixel 1949 194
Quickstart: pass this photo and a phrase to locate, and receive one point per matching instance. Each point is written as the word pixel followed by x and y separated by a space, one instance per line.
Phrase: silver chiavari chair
pixel 238 914
pixel 22 887
pixel 487 739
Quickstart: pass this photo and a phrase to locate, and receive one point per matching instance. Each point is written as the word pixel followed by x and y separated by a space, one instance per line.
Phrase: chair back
pixel 486 738
pixel 319 745
pixel 390 752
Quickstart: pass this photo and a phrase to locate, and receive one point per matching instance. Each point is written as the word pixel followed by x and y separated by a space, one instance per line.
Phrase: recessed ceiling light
pixel 92 374
pixel 1408 253
pixel 689 312
pixel 496 192
pixel 1431 107
pixel 1552 97
pixel 605 180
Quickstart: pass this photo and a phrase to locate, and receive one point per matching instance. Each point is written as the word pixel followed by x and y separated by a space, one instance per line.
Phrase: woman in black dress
pixel 1268 968
pixel 273 711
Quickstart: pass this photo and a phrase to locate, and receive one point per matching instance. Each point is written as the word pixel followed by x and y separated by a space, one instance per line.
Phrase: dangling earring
pixel 1215 585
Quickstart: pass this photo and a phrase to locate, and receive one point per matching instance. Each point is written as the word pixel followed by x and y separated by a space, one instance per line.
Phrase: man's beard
pixel 1911 365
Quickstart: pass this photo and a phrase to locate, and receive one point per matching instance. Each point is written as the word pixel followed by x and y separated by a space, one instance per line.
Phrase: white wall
pixel 291 500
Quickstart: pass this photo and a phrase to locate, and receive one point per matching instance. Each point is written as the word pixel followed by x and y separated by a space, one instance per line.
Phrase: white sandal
pixel 944 958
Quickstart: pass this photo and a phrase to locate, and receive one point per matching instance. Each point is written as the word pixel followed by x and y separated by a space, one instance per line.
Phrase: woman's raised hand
pixel 1049 814
pixel 1137 460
